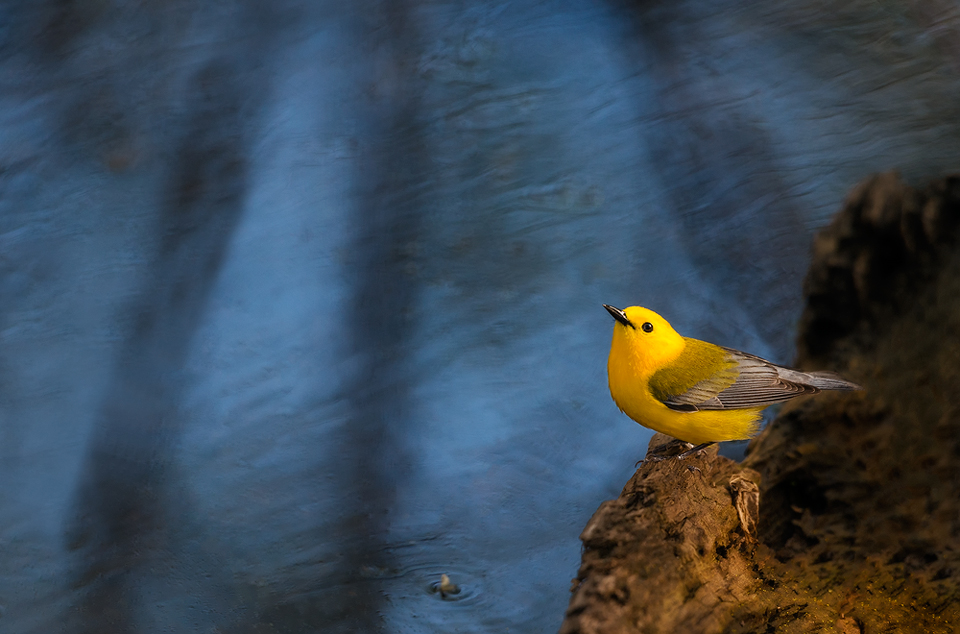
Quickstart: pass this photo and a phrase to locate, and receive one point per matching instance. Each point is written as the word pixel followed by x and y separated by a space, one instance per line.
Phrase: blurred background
pixel 300 301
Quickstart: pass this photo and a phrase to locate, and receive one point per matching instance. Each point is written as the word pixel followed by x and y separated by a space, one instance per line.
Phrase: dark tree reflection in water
pixel 301 304
pixel 122 500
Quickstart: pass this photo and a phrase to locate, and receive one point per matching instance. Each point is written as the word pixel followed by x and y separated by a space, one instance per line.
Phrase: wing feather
pixel 757 383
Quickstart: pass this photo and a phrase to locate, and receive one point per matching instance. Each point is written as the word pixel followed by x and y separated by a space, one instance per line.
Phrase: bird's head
pixel 642 332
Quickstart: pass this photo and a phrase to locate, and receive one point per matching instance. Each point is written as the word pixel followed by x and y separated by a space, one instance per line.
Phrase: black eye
pixel 647 326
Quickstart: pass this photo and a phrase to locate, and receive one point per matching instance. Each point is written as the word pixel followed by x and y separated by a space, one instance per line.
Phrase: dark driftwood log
pixel 858 528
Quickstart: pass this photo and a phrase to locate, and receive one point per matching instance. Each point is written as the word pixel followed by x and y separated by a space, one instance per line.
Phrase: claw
pixel 650 459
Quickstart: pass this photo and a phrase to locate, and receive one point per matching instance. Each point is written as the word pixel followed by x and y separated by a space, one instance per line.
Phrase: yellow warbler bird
pixel 696 391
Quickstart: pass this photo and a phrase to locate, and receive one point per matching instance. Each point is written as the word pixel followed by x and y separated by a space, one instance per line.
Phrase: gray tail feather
pixel 830 381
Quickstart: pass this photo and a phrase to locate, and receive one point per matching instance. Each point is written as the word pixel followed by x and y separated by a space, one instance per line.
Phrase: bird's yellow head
pixel 643 339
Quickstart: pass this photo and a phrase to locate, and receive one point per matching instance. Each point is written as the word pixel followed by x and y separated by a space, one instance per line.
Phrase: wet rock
pixel 855 524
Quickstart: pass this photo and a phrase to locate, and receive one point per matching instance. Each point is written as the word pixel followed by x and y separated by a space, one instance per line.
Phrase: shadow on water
pixel 380 314
pixel 123 502
pixel 371 460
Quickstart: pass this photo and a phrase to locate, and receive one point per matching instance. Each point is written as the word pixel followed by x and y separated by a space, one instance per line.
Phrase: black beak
pixel 619 315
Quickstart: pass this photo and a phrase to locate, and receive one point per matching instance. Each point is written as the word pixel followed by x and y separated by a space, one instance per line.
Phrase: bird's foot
pixel 668 450
pixel 644 461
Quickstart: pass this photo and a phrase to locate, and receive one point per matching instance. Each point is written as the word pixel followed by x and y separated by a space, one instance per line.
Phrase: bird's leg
pixel 693 450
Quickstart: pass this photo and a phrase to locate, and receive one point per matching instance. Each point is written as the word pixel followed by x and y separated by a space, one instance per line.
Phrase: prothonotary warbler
pixel 696 391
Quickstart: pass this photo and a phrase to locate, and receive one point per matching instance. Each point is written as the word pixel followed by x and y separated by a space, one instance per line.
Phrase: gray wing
pixel 759 383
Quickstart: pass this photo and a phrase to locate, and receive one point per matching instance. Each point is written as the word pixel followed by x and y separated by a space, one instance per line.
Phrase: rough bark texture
pixel 859 505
